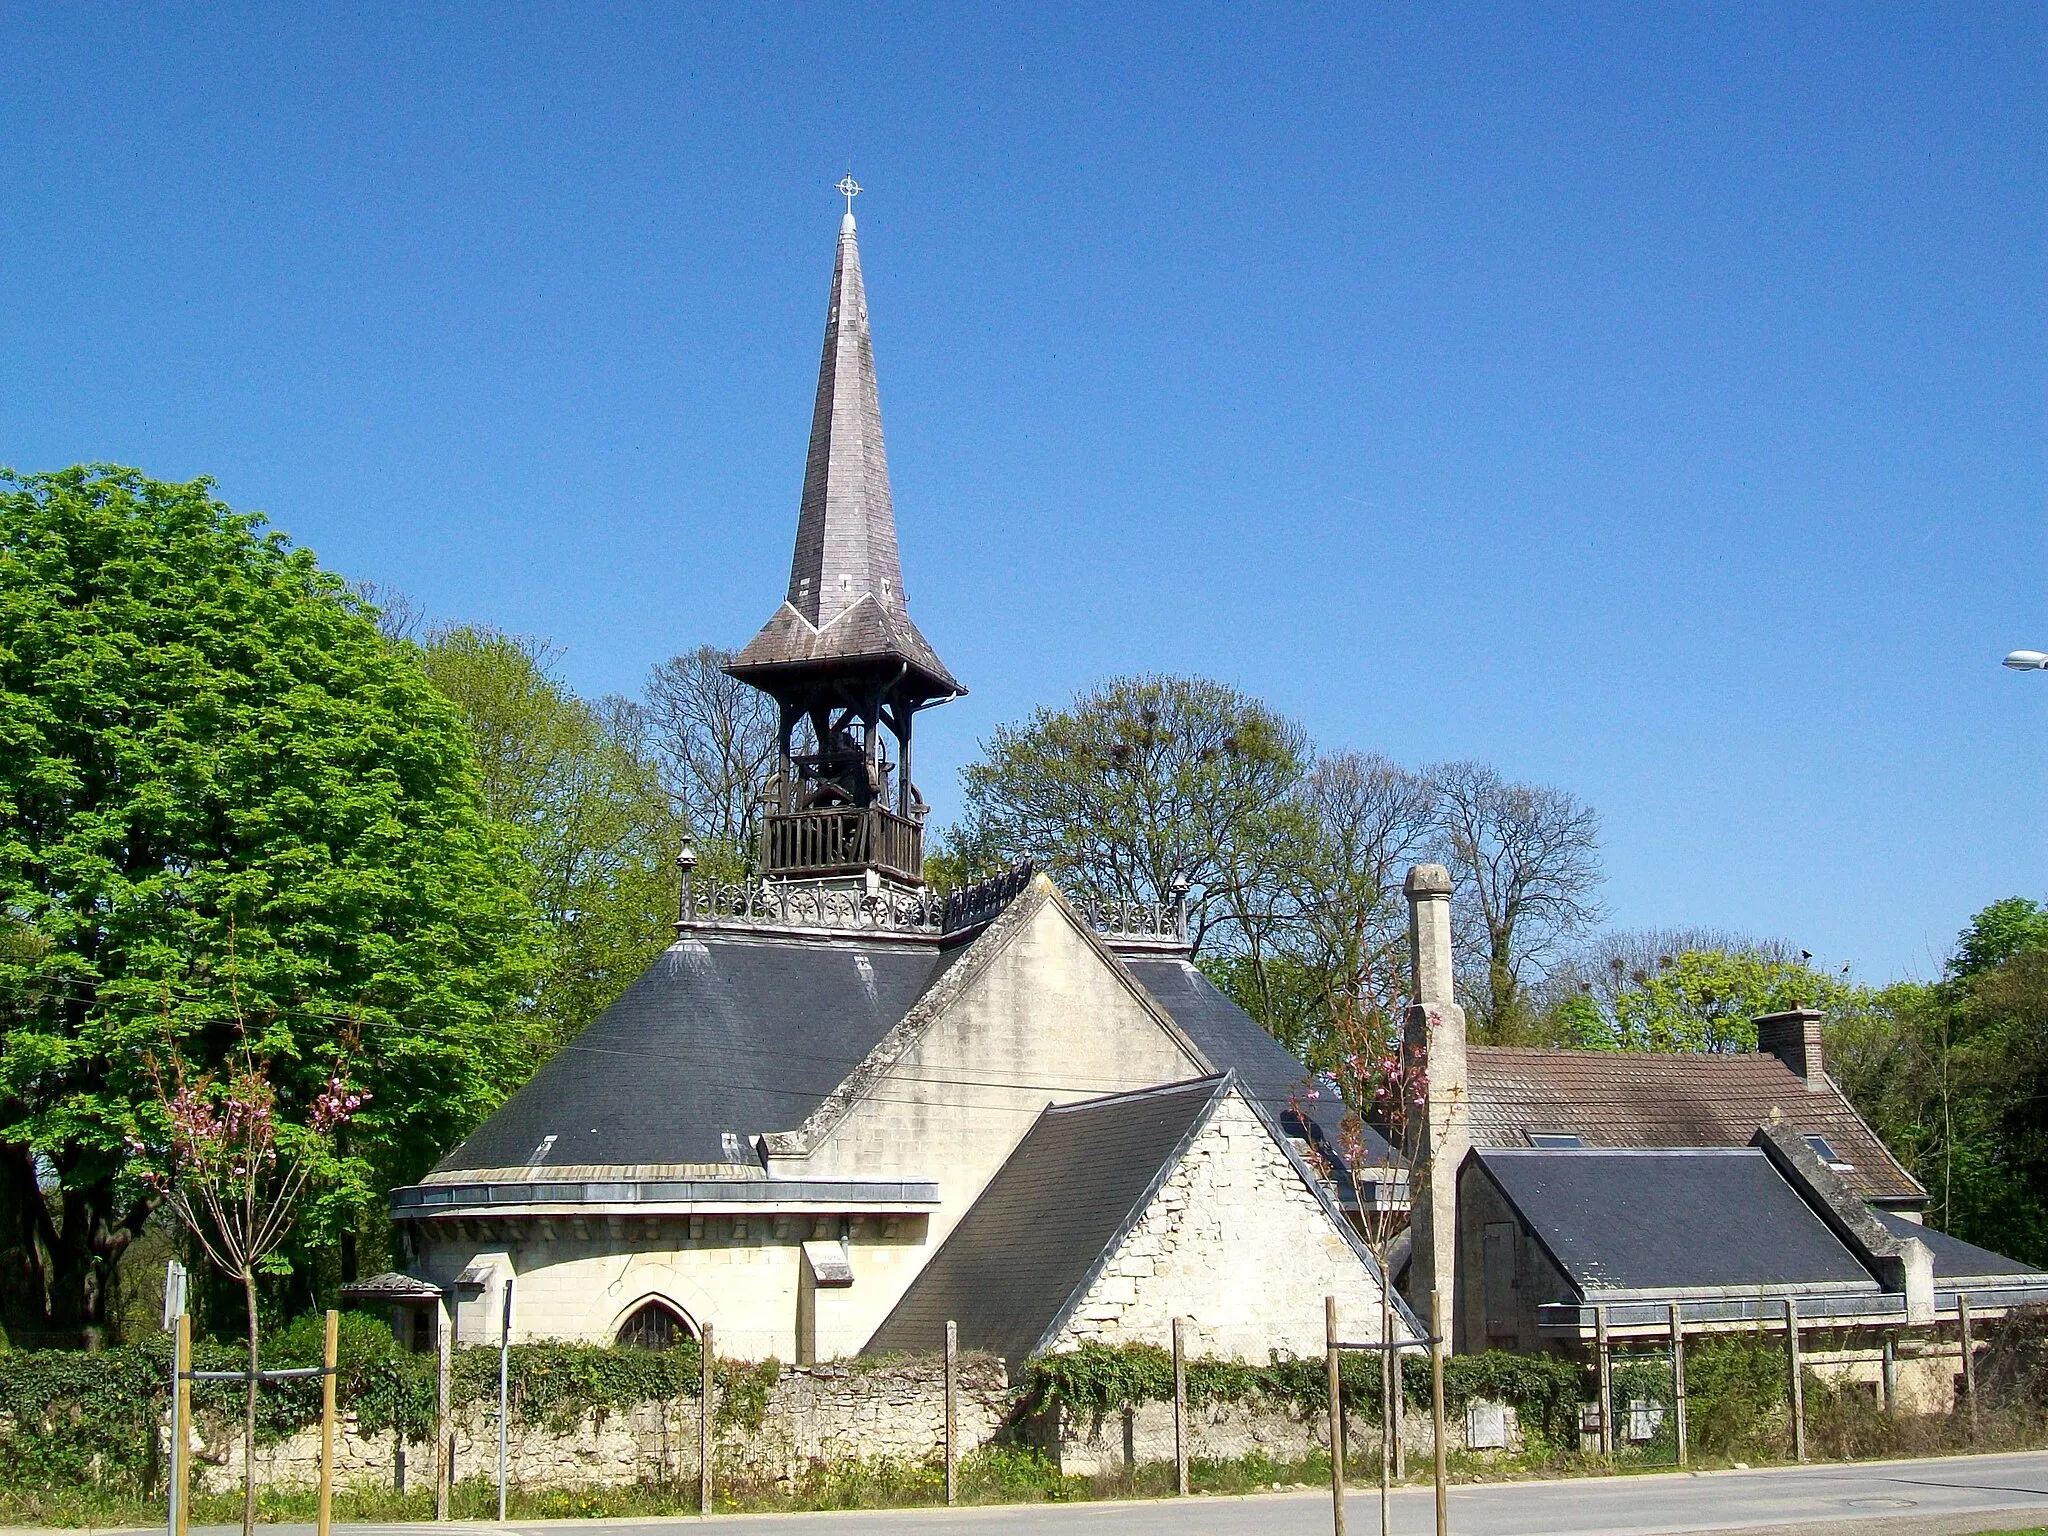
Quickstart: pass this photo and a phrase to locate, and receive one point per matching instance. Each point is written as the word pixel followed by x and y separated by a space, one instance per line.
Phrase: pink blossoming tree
pixel 231 1160
pixel 1383 1088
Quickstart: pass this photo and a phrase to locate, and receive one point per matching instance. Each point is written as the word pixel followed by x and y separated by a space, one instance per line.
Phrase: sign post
pixel 329 1354
pixel 180 1325
pixel 504 1395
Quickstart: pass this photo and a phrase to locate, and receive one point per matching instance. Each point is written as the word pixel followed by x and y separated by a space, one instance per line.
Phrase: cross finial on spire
pixel 850 189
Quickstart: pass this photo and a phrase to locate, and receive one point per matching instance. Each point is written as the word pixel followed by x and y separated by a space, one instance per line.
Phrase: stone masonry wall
pixel 825 1413
pixel 1111 1443
pixel 1235 1242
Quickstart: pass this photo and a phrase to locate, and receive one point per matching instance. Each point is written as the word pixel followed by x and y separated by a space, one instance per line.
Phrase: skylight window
pixel 1825 1151
pixel 1555 1141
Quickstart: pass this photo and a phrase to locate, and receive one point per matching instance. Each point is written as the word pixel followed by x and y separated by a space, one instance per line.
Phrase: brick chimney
pixel 1794 1038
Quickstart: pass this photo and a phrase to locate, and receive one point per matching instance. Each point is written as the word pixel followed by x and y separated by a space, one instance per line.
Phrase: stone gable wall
pixel 1049 1020
pixel 1235 1242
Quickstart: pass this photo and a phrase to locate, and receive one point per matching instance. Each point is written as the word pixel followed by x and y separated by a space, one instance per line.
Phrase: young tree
pixel 233 1167
pixel 199 730
pixel 1526 860
pixel 1140 779
pixel 1383 1087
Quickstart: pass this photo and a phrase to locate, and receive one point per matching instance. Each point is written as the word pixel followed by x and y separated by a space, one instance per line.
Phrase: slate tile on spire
pixel 845 599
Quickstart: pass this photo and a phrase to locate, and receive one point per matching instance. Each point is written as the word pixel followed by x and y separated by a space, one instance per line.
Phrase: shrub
pixel 1736 1395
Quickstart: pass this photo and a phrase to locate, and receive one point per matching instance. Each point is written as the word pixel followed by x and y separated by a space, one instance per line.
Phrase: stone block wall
pixel 823 1413
pixel 1112 1443
pixel 1236 1242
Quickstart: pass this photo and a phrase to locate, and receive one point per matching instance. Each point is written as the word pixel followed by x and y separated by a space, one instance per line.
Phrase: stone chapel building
pixel 837 1112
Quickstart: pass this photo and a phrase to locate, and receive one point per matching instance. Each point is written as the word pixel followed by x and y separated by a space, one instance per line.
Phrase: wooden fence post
pixel 1603 1371
pixel 1678 1425
pixel 1399 1411
pixel 1333 1380
pixel 952 1412
pixel 1436 1409
pixel 707 1389
pixel 1180 1408
pixel 328 1357
pixel 181 1451
pixel 1969 1359
pixel 1792 1363
pixel 444 1407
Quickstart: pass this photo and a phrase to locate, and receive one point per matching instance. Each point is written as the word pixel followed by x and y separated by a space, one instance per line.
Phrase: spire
pixel 846 530
pixel 840 657
pixel 845 598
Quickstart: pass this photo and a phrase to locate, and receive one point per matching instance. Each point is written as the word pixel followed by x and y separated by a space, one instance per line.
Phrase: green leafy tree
pixel 1139 779
pixel 207 749
pixel 1954 1076
pixel 2002 930
pixel 584 803
pixel 1708 999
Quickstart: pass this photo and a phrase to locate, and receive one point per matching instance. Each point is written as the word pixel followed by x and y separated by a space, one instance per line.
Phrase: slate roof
pixel 1082 1174
pixel 1955 1259
pixel 1233 1041
pixel 393 1287
pixel 1648 1099
pixel 722 1033
pixel 1673 1220
pixel 846 599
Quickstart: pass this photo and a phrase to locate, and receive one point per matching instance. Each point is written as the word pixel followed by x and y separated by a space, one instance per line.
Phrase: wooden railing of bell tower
pixel 842 840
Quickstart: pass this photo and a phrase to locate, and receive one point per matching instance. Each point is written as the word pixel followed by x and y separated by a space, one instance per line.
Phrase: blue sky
pixel 1647 400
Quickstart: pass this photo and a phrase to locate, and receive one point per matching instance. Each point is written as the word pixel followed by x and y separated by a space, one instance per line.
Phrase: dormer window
pixel 1555 1141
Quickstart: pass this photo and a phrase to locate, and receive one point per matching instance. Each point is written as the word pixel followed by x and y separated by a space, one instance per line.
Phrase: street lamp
pixel 2028 661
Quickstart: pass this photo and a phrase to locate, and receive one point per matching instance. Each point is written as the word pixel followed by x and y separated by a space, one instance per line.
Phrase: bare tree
pixel 397 615
pixel 1371 819
pixel 714 738
pixel 1526 859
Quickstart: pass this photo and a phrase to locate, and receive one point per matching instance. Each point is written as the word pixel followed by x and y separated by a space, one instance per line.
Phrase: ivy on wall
pixel 1096 1379
pixel 97 1418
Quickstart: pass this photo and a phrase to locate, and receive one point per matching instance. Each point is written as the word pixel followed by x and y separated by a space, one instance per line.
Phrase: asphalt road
pixel 1900 1498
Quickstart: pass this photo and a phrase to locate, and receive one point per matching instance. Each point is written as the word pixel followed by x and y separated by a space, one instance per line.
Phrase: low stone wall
pixel 1110 1443
pixel 812 1414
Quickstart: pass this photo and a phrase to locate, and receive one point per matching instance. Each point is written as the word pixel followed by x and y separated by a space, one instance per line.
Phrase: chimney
pixel 1435 1029
pixel 1794 1038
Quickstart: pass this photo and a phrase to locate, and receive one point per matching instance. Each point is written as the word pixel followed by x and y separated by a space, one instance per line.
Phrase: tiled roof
pixel 1645 1099
pixel 391 1287
pixel 1080 1177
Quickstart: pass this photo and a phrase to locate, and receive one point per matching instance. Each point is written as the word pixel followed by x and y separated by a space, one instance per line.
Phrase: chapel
pixel 839 1112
